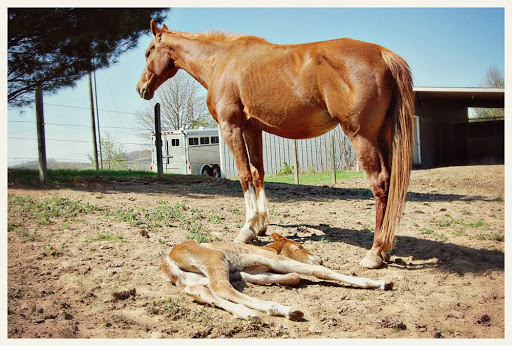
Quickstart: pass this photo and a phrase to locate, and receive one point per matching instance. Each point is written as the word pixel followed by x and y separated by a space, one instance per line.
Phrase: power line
pixel 88 108
pixel 76 125
pixel 67 140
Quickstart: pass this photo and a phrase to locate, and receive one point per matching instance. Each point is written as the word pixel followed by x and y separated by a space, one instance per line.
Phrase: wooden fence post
pixel 158 143
pixel 333 159
pixel 41 144
pixel 93 126
pixel 296 160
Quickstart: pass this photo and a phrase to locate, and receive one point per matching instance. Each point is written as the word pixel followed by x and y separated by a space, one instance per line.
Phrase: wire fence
pixel 71 141
pixel 313 155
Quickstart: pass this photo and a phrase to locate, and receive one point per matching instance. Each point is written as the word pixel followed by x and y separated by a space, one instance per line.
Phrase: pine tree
pixel 55 47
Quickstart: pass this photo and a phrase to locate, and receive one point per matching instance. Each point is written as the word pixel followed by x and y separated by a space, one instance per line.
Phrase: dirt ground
pixel 84 258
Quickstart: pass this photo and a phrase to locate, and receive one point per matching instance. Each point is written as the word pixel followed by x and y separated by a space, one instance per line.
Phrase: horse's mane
pixel 219 36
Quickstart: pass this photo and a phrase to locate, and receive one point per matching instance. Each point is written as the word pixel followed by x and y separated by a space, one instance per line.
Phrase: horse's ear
pixel 154 28
pixel 164 27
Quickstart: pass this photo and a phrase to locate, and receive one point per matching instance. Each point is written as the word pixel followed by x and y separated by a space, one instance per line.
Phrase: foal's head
pixel 293 250
pixel 159 65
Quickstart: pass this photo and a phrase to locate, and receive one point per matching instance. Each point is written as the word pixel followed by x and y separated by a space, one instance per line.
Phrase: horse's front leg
pixel 232 134
pixel 254 141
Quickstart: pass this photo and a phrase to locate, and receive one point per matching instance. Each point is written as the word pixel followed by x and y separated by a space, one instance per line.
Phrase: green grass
pixel 314 178
pixel 72 175
pixel 43 211
pixel 69 176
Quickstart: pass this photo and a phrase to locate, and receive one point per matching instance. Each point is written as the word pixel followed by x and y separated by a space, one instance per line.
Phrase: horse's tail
pixel 399 138
pixel 171 271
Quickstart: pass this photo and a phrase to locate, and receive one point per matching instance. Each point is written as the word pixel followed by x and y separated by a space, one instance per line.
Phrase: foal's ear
pixel 154 28
pixel 277 237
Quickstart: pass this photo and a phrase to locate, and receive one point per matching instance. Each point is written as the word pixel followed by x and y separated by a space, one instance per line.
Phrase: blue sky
pixel 445 47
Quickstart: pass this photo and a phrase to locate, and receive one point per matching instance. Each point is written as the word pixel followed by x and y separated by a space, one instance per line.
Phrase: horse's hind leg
pixel 372 157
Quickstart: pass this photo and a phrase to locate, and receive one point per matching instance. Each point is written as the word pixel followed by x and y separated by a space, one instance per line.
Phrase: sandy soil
pixel 94 272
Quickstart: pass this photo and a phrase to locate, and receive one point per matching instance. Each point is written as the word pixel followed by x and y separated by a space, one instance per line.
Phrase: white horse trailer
pixel 189 152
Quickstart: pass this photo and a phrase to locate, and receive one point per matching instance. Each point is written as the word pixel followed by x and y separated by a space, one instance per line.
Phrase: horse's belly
pixel 298 125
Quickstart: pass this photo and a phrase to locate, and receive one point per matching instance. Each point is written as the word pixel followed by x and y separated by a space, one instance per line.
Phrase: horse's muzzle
pixel 144 93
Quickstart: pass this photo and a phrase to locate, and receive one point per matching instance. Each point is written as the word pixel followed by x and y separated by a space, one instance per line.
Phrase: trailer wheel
pixel 216 171
pixel 206 171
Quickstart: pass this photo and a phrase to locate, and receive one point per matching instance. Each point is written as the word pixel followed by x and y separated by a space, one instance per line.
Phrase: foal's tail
pixel 399 137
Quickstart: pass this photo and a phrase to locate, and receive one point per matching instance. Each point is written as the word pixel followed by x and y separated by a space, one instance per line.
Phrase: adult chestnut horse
pixel 299 91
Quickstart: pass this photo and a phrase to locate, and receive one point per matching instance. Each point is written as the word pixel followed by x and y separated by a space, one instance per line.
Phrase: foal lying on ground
pixel 204 271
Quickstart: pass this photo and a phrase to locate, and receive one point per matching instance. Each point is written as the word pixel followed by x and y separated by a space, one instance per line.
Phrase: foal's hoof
pixel 295 315
pixel 371 260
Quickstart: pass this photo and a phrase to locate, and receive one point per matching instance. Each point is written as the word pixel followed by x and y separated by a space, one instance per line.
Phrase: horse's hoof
pixel 244 237
pixel 371 260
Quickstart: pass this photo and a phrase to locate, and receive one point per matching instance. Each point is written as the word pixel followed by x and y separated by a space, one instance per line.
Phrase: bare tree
pixel 493 79
pixel 182 106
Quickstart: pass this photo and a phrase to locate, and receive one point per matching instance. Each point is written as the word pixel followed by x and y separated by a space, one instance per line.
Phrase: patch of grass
pixel 368 228
pixel 109 237
pixel 480 224
pixel 43 211
pixel 444 223
pixel 459 233
pixel 27 235
pixel 494 236
pixel 215 219
pixel 324 240
pixel 273 212
pixel 363 298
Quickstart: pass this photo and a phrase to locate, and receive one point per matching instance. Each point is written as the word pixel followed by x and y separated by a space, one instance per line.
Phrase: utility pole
pixel 41 141
pixel 98 119
pixel 93 125
pixel 158 143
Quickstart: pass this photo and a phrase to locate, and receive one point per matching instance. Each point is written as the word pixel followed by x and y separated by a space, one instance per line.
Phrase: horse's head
pixel 159 65
pixel 293 250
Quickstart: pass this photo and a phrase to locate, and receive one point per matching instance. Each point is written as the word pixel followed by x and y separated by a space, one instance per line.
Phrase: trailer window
pixel 215 139
pixel 193 141
pixel 205 140
pixel 175 142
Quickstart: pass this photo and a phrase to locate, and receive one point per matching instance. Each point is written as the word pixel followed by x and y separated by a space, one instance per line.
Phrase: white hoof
pixel 372 260
pixel 245 236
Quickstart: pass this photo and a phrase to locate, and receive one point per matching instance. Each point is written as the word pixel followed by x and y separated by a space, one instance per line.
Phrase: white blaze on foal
pixel 204 272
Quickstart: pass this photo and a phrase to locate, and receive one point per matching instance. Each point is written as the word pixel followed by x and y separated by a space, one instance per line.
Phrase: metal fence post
pixel 158 143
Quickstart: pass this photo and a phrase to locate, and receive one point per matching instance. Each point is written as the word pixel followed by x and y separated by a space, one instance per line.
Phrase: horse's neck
pixel 195 56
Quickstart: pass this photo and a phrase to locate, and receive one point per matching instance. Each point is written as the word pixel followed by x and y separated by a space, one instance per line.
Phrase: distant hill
pixel 137 160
